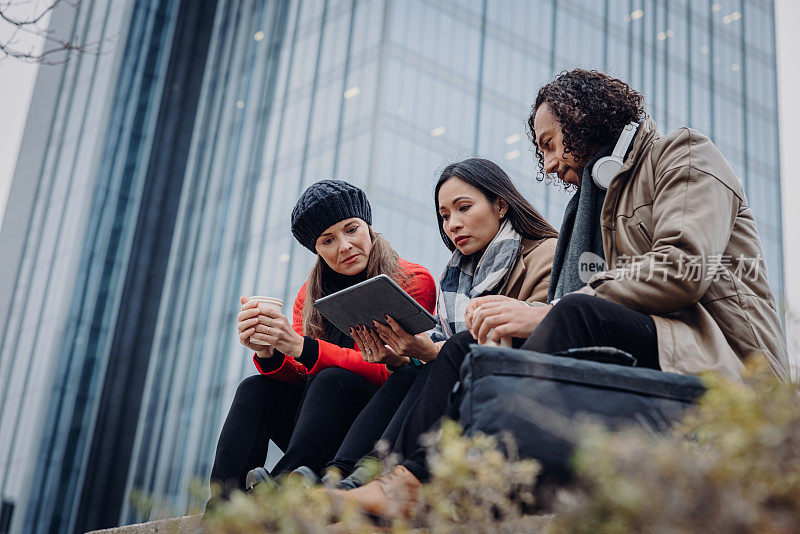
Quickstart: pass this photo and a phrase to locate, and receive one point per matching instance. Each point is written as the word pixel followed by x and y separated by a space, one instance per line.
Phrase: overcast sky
pixel 787 13
pixel 16 86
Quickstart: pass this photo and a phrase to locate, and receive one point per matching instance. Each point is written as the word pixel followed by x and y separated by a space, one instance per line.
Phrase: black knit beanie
pixel 324 204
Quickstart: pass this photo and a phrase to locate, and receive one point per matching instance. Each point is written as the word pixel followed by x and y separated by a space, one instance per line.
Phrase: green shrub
pixel 473 488
pixel 732 465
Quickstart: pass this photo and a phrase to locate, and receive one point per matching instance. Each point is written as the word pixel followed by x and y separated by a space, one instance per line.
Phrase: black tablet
pixel 369 300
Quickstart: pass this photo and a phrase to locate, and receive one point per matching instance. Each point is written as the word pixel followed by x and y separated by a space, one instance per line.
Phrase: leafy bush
pixel 732 465
pixel 473 488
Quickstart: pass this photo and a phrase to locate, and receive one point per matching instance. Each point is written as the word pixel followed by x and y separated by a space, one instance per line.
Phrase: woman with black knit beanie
pixel 333 219
pixel 501 246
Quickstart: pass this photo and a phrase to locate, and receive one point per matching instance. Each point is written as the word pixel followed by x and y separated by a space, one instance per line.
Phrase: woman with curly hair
pixel 682 284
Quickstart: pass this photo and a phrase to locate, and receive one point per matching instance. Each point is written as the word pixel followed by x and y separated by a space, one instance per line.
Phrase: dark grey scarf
pixel 580 232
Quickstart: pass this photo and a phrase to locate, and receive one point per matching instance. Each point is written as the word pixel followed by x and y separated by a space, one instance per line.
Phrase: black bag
pixel 539 398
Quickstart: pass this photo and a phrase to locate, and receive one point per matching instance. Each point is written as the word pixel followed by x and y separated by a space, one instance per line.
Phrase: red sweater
pixel 420 286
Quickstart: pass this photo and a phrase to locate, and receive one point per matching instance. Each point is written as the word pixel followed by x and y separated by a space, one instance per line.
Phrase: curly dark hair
pixel 592 109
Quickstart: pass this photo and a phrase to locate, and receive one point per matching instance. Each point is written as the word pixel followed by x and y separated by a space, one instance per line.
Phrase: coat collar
pixel 526 247
pixel 647 134
pixel 645 137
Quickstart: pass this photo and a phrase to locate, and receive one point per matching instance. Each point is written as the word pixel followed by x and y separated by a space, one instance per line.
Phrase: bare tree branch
pixel 55 51
pixel 34 20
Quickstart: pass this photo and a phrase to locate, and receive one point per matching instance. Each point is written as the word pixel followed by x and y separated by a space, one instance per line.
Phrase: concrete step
pixel 188 524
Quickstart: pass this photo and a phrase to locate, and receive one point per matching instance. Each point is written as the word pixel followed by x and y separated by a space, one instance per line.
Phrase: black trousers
pixel 382 417
pixel 308 423
pixel 576 321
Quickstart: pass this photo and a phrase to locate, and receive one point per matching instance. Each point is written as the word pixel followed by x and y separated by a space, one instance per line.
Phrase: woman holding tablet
pixel 501 245
pixel 332 219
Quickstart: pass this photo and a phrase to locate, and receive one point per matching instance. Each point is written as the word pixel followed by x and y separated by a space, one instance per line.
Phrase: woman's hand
pixel 374 350
pixel 496 317
pixel 272 327
pixel 247 321
pixel 420 346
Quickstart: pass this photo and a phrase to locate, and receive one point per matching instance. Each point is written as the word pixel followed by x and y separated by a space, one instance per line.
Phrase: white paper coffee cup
pixel 504 342
pixel 272 302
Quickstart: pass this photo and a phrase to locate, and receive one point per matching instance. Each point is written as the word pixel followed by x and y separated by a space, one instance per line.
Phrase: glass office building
pixel 155 183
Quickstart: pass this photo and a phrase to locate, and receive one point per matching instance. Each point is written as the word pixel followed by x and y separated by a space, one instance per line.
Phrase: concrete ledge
pixel 188 524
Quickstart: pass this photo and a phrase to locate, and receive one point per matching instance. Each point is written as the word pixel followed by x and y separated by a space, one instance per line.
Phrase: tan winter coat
pixel 677 214
pixel 530 276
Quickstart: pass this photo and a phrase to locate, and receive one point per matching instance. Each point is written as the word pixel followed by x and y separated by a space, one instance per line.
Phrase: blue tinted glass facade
pixel 167 169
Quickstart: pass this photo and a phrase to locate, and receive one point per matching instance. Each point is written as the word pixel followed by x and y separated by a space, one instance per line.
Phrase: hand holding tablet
pixel 368 304
pixel 371 300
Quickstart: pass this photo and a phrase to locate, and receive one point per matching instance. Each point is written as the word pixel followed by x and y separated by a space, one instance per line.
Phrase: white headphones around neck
pixel 605 169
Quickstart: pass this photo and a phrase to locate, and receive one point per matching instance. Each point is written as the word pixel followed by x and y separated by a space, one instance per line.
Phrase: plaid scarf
pixel 464 278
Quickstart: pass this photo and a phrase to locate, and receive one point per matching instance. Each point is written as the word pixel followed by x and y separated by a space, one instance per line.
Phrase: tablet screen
pixel 369 300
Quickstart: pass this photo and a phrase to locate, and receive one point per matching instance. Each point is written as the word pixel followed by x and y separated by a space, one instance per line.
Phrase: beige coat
pixel 530 276
pixel 676 201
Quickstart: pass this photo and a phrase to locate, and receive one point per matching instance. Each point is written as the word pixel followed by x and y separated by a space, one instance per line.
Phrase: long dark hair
pixel 493 182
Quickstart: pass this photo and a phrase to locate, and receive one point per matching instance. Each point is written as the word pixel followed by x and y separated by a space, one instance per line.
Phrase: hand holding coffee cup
pixel 495 319
pixel 504 342
pixel 262 304
pixel 247 319
pixel 270 328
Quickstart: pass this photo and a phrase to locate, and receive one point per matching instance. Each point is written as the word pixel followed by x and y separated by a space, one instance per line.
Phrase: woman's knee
pixel 338 382
pixel 251 386
pixel 334 376
pixel 460 342
pixel 260 389
pixel 453 351
pixel 403 376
